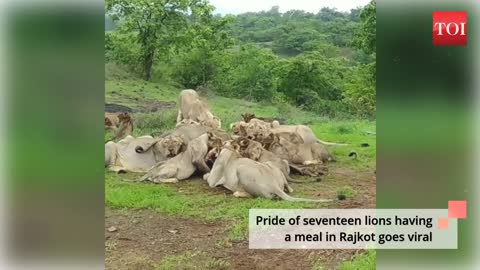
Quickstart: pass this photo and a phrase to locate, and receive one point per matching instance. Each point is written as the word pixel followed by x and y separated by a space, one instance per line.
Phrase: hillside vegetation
pixel 323 62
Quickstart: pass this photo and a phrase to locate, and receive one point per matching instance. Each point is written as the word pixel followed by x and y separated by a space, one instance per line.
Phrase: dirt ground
pixel 141 239
pixel 147 106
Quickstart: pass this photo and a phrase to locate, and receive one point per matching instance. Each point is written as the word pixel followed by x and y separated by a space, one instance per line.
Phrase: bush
pixel 246 73
pixel 360 92
pixel 310 78
pixel 121 48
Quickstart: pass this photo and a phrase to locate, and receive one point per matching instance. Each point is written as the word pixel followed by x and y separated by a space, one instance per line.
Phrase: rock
pixel 173 231
pixel 112 229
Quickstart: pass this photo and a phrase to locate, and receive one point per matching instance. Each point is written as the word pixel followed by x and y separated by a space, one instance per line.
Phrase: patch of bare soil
pixel 137 239
pixel 144 237
pixel 148 106
pixel 111 107
pixel 244 258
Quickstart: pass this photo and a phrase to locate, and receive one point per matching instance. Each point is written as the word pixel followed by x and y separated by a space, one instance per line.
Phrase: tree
pixel 246 72
pixel 157 24
pixel 366 35
pixel 194 64
pixel 360 92
pixel 311 77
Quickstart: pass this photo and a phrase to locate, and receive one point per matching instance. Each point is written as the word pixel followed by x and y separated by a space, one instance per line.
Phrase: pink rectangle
pixel 457 209
pixel 443 223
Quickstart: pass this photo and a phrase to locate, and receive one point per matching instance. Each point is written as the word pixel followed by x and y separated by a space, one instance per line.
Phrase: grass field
pixel 193 199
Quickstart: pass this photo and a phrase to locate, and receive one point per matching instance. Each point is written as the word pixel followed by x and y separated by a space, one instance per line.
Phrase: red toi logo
pixel 450 28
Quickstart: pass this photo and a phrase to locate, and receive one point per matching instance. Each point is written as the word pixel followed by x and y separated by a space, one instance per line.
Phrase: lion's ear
pixel 243 142
pixel 181 138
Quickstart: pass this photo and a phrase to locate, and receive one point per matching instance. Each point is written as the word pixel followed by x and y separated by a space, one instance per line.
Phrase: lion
pixel 238 128
pixel 190 132
pixel 215 144
pixel 164 147
pixel 291 137
pixel 120 124
pixel 305 154
pixel 255 151
pixel 182 166
pixel 125 126
pixel 256 129
pixel 305 133
pixel 248 178
pixel 191 107
pixel 140 154
pixel 249 116
pixel 111 120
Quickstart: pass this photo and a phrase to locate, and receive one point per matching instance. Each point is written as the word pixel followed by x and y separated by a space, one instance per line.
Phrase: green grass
pixel 346 191
pixel 192 260
pixel 364 261
pixel 193 198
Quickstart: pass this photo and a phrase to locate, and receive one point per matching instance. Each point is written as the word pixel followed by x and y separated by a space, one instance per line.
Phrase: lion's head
pixel 124 117
pixel 238 128
pixel 248 116
pixel 212 122
pixel 254 150
pixel 187 122
pixel 170 146
pixel 257 130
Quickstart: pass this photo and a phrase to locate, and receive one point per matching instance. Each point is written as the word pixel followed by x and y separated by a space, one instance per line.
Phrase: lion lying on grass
pixel 140 154
pixel 248 178
pixel 182 166
pixel 304 153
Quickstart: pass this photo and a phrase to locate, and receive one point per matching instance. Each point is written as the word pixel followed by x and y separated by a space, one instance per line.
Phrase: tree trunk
pixel 147 65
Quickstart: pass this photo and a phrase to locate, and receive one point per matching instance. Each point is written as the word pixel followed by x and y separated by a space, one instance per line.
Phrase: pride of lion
pixel 255 160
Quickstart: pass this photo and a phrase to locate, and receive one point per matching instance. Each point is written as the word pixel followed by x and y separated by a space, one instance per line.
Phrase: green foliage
pixel 364 261
pixel 366 35
pixel 246 72
pixel 194 64
pixel 320 62
pixel 121 48
pixel 360 92
pixel 314 82
pixel 157 26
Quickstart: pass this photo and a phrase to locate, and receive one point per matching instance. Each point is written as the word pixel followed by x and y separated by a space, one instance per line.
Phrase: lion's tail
pixel 331 143
pixel 280 193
